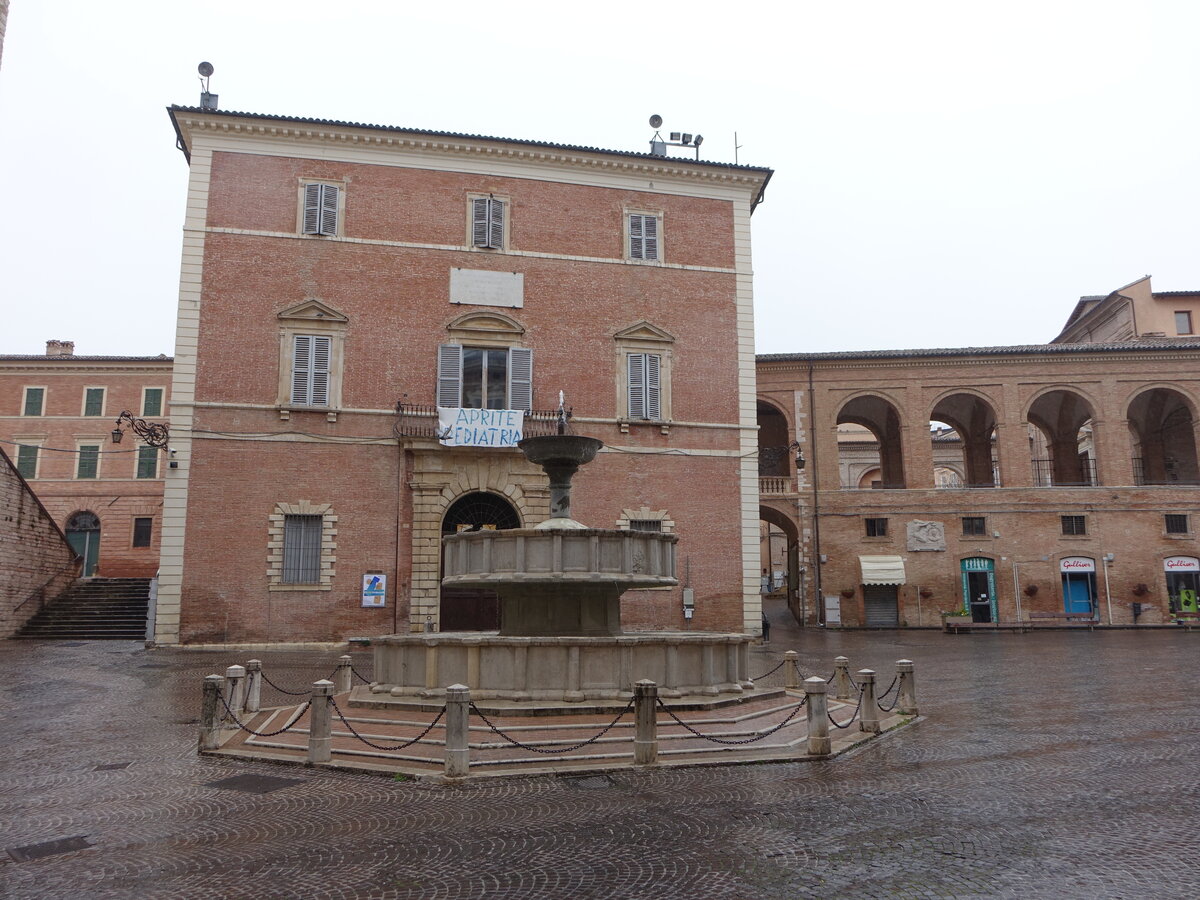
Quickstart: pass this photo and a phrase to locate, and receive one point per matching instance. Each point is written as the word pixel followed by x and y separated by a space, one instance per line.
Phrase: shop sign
pixel 1077 564
pixel 480 427
pixel 1181 564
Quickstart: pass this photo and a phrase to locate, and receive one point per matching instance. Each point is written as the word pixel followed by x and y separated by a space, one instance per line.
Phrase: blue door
pixel 1077 593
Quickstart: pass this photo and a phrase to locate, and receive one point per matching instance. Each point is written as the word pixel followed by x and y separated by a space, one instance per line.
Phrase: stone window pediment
pixel 311 311
pixel 486 328
pixel 645 332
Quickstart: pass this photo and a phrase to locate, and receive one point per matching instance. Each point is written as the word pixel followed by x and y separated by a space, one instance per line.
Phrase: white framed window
pixel 643 236
pixel 485 377
pixel 152 401
pixel 311 356
pixel 301 547
pixel 643 361
pixel 488 221
pixel 644 385
pixel 87 459
pixel 34 403
pixel 312 338
pixel 147 462
pixel 93 401
pixel 27 459
pixel 320 208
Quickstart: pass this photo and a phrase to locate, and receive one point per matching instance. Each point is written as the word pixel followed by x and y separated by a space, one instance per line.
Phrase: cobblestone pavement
pixel 1049 765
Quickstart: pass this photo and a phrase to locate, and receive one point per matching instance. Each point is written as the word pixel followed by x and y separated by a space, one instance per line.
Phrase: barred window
pixel 645 524
pixel 974 525
pixel 142 529
pixel 876 527
pixel 1074 525
pixel 301 549
pixel 1176 523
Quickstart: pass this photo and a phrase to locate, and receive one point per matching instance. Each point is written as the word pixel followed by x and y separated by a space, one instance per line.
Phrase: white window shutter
pixel 319 380
pixel 449 375
pixel 312 208
pixel 649 237
pixel 653 410
pixel 329 209
pixel 635 237
pixel 520 378
pixel 301 368
pixel 496 224
pixel 479 222
pixel 637 385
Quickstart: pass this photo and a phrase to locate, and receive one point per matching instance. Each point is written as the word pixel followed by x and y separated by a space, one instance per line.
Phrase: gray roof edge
pixel 1158 345
pixel 41 357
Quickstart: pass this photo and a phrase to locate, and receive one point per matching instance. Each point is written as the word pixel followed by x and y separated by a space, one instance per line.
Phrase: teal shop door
pixel 1077 592
pixel 979 588
pixel 83 534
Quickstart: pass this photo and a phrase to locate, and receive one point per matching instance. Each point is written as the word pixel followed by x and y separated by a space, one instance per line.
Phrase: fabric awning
pixel 882 569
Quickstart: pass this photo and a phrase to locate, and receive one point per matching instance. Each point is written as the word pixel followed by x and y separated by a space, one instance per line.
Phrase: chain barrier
pixel 733 741
pixel 359 675
pixel 849 721
pixel 475 709
pixel 264 734
pixel 879 700
pixel 371 743
pixel 772 672
pixel 284 690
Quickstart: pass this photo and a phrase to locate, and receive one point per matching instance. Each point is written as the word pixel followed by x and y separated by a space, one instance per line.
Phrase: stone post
pixel 819 743
pixel 458 719
pixel 320 723
pixel 235 680
pixel 645 711
pixel 906 702
pixel 791 674
pixel 841 678
pixel 210 713
pixel 253 685
pixel 868 711
pixel 342 675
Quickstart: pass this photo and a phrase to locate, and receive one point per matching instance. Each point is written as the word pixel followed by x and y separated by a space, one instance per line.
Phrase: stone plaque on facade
pixel 926 535
pixel 485 288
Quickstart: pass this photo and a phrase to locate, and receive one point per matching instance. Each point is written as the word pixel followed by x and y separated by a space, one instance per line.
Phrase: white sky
pixel 947 173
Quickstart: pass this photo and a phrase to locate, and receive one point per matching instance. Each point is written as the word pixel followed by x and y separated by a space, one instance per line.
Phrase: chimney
pixel 60 348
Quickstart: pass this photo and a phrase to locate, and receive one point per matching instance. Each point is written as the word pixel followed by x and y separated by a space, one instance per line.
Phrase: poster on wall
pixel 374 590
pixel 480 427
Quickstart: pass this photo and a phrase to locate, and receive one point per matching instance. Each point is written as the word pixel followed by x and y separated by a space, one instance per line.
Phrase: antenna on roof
pixel 658 147
pixel 207 100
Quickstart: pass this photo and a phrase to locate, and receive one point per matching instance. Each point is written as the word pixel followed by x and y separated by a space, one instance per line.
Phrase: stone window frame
pixel 133 534
pixel 643 337
pixel 275 544
pixel 80 443
pixel 627 237
pixel 874 523
pixel 311 317
pixel 103 401
pixel 1179 519
pixel 1074 525
pixel 25 399
pixel 37 442
pixel 339 228
pixel 162 401
pixel 504 200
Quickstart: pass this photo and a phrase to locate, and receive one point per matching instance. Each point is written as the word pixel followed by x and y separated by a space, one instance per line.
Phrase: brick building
pixel 1072 485
pixel 57 413
pixel 340 282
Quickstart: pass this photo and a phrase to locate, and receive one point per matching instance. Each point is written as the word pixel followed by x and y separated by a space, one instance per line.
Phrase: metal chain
pixel 883 696
pixel 772 672
pixel 359 675
pixel 517 743
pixel 370 743
pixel 849 721
pixel 734 741
pixel 246 727
pixel 283 690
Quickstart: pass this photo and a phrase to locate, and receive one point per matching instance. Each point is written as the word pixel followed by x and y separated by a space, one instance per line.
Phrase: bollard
pixel 819 743
pixel 791 671
pixel 458 735
pixel 210 713
pixel 253 685
pixel 235 680
pixel 645 714
pixel 906 701
pixel 868 714
pixel 320 723
pixel 341 675
pixel 841 678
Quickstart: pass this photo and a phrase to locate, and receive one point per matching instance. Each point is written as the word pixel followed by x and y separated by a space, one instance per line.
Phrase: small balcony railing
pixel 1082 474
pixel 419 420
pixel 776 484
pixel 1168 477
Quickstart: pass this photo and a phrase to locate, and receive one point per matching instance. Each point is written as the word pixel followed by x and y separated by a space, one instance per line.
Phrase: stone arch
pixel 794 586
pixel 972 416
pixel 82 528
pixel 474 609
pixel 1162 425
pixel 1062 448
pixel 880 416
pixel 774 456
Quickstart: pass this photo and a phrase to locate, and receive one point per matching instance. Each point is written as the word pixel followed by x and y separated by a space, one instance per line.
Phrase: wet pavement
pixel 1048 765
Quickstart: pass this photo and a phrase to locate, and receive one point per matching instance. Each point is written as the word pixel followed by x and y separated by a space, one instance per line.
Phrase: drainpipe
pixel 1107 592
pixel 816 503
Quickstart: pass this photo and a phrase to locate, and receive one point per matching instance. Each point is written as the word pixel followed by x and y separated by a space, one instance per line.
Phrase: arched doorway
pixel 474 609
pixel 782 572
pixel 83 534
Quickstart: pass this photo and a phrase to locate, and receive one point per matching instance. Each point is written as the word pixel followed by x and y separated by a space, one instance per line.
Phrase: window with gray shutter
pixel 487 223
pixel 34 398
pixel 152 402
pixel 310 369
pixel 643 236
pixel 644 386
pixel 301 549
pixel 485 377
pixel 147 462
pixel 89 461
pixel 27 455
pixel 520 378
pixel 449 375
pixel 320 209
pixel 93 402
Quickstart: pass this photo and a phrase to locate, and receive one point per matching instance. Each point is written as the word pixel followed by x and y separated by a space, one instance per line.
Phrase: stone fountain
pixel 560 639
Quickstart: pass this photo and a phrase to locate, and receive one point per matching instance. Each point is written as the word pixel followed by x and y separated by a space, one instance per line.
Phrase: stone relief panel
pixel 926 535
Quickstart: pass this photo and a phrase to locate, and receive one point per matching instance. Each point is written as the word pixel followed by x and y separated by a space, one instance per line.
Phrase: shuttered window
pixel 89 461
pixel 643 236
pixel 644 386
pixel 310 369
pixel 147 462
pixel 320 209
pixel 34 398
pixel 152 402
pixel 93 402
pixel 27 456
pixel 487 223
pixel 485 377
pixel 302 549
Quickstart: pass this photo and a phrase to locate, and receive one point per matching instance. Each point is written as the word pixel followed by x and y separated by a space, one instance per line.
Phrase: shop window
pixel 142 530
pixel 876 527
pixel 1074 525
pixel 1176 523
pixel 974 526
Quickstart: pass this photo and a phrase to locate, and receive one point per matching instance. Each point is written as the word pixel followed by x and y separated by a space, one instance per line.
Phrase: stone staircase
pixel 94 609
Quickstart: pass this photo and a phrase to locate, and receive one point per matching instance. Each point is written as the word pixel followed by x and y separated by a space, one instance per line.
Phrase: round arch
pixel 474 609
pixel 973 417
pixel 83 534
pixel 881 417
pixel 1162 426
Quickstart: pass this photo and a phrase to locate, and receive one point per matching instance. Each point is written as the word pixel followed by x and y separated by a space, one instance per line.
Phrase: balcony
pixel 776 484
pixel 1081 474
pixel 1168 477
pixel 419 420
